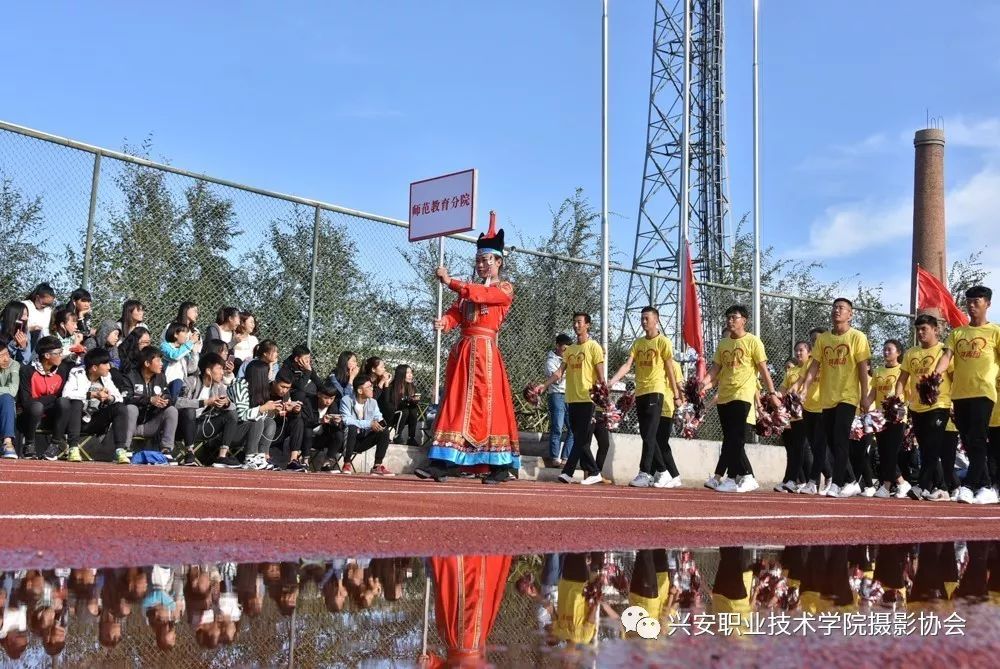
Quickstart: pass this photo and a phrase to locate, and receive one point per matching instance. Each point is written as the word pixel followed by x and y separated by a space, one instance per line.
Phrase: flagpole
pixel 685 248
pixel 756 180
pixel 605 232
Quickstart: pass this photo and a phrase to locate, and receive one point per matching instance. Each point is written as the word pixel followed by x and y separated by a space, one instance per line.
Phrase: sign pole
pixel 437 339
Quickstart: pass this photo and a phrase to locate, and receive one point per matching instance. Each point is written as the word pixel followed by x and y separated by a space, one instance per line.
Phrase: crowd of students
pixel 832 377
pixel 181 396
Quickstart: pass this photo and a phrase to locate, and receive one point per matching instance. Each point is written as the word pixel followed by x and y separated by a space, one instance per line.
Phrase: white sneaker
pixel 954 495
pixel 729 485
pixel 779 487
pixel 985 496
pixel 748 484
pixel 883 492
pixel 642 480
pixel 675 482
pixel 565 478
pixel 916 492
pixel 964 495
pixel 852 489
pixel 712 483
pixel 832 490
pixel 939 496
pixel 592 479
pixel 902 489
pixel 661 479
pixel 868 492
pixel 807 488
pixel 824 490
pixel 791 486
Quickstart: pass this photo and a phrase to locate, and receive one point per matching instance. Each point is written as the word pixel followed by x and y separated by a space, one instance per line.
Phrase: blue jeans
pixel 559 419
pixel 6 416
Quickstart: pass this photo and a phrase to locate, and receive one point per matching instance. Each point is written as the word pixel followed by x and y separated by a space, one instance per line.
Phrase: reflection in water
pixel 556 609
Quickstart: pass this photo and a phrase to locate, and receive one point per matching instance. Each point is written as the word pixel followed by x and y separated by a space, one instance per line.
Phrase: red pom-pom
pixel 771 420
pixel 894 410
pixel 626 402
pixel 530 394
pixel 793 404
pixel 929 388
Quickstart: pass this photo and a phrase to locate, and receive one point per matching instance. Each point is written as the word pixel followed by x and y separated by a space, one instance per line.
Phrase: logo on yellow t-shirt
pixel 646 357
pixel 732 359
pixel 575 360
pixel 836 356
pixel 885 385
pixel 970 348
pixel 923 366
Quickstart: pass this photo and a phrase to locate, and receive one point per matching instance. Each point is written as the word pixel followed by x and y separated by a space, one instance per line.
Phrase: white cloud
pixel 840 156
pixel 977 134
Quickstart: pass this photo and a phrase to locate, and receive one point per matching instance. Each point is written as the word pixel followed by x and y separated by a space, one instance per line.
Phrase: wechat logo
pixel 636 619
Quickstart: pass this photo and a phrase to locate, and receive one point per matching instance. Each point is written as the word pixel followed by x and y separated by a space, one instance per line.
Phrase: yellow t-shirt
pixel 573 621
pixel 668 397
pixel 581 362
pixel 884 381
pixel 811 401
pixel 738 360
pixel 975 351
pixel 838 357
pixel 649 356
pixel 920 362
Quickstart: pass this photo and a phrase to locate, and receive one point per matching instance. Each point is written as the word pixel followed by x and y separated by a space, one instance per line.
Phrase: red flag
pixel 692 330
pixel 931 294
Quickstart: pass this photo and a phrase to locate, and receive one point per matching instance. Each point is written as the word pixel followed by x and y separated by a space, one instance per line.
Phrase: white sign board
pixel 443 205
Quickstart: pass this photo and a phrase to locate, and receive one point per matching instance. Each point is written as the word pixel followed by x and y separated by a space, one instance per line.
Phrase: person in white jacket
pixel 95 404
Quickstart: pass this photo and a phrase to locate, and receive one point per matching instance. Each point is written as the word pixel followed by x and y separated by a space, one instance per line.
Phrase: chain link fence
pixel 130 228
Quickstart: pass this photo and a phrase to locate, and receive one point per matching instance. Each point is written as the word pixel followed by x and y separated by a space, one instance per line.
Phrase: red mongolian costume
pixel 476 423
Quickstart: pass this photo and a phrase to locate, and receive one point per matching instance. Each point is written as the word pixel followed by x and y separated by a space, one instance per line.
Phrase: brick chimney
pixel 928 210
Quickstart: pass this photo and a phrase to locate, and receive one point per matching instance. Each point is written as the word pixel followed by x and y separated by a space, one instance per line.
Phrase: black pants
pixel 890 440
pixel 327 445
pixel 114 416
pixel 648 408
pixel 648 563
pixel 733 416
pixel 603 437
pixel 581 415
pixel 861 461
pixel 217 427
pixel 406 417
pixel 358 442
pixel 816 436
pixel 972 417
pixel 794 439
pixel 949 451
pixel 929 429
pixel 664 460
pixel 52 412
pixel 837 426
pixel 729 581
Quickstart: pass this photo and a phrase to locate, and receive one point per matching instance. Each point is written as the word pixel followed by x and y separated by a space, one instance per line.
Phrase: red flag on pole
pixel 692 329
pixel 932 294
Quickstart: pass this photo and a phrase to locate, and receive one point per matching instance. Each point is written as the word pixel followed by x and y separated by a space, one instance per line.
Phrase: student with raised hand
pixel 840 366
pixel 975 350
pixel 10 379
pixel 148 403
pixel 39 305
pixel 40 396
pixel 95 405
pixel 14 324
pixel 652 355
pixel 738 360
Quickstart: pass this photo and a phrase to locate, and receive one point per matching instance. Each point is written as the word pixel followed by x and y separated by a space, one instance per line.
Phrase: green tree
pixel 21 220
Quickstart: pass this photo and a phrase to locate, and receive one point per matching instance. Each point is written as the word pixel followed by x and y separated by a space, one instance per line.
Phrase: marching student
pixel 652 355
pixel 797 438
pixel 975 349
pixel 666 474
pixel 583 366
pixel 929 420
pixel 738 360
pixel 840 363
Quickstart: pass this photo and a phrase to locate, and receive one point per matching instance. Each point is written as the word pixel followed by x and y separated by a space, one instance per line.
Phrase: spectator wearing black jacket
pixel 41 400
pixel 150 412
pixel 399 405
pixel 323 432
pixel 305 385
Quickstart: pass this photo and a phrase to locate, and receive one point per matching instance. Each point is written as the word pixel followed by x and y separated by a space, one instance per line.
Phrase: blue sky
pixel 350 101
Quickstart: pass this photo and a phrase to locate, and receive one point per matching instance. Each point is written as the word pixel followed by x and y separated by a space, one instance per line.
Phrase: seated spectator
pixel 14 324
pixel 64 326
pixel 344 374
pixel 108 337
pixel 206 412
pixel 187 314
pixel 41 400
pixel 230 363
pixel 10 379
pixel 148 404
pixel 305 383
pixel 289 419
pixel 248 328
pixel 39 305
pixel 227 320
pixel 179 352
pixel 251 395
pixel 365 427
pixel 323 433
pixel 95 404
pixel 267 352
pixel 133 313
pixel 399 403
pixel 128 350
pixel 375 368
pixel 81 304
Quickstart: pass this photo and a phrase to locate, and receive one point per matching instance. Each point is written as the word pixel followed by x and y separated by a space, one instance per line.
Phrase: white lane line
pixel 476 519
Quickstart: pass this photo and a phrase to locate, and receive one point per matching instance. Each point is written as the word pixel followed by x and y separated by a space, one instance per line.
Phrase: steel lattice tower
pixel 658 229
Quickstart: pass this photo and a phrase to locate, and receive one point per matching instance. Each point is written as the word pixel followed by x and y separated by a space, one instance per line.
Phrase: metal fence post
pixel 792 338
pixel 89 247
pixel 312 279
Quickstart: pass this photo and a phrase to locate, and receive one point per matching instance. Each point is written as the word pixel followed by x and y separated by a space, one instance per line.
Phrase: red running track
pixel 89 515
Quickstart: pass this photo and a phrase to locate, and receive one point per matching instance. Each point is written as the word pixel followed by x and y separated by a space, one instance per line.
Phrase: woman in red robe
pixel 476 426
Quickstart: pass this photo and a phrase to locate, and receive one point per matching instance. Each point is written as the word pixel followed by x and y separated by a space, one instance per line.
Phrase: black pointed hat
pixel 491 240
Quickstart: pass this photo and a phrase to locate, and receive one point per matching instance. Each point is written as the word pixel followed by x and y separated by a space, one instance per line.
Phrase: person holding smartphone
pixel 365 427
pixel 148 403
pixel 206 413
pixel 400 402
